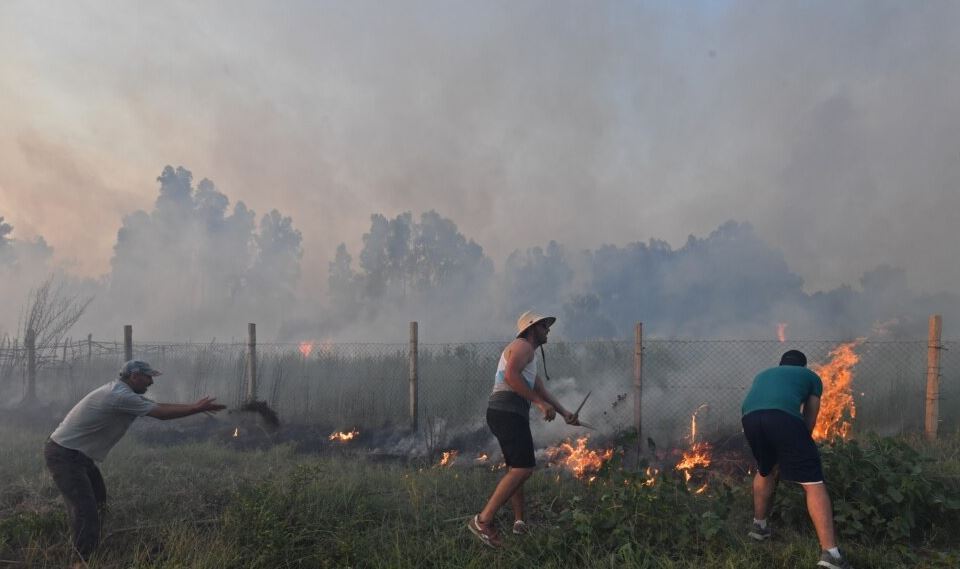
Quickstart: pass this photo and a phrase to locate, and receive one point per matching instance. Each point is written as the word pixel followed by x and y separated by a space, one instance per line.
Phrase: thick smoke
pixel 23 266
pixel 729 284
pixel 195 268
pixel 831 127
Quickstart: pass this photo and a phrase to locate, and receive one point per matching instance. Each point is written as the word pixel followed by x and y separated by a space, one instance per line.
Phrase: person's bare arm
pixel 541 388
pixel 811 408
pixel 166 411
pixel 519 355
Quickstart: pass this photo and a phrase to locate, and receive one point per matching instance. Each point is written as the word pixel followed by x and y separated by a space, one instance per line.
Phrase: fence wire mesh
pixel 711 378
pixel 367 385
pixel 950 387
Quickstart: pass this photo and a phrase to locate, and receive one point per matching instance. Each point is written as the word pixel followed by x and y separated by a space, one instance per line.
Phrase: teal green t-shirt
pixel 783 387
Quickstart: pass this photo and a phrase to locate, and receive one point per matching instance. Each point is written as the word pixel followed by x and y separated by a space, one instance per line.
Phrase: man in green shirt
pixel 778 417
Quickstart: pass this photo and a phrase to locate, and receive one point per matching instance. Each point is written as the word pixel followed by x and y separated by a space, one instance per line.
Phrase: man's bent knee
pixel 523 473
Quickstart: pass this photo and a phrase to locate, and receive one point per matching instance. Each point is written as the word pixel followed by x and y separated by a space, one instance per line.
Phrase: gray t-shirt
pixel 100 419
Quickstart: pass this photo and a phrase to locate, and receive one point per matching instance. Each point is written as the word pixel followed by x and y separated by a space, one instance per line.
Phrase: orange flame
pixel 699 453
pixel 578 458
pixel 342 436
pixel 651 474
pixel 782 331
pixel 448 457
pixel 837 409
pixel 236 431
pixel 305 348
pixel 697 456
pixel 482 458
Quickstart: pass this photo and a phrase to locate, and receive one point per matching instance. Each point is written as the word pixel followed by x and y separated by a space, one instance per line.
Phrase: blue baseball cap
pixel 137 366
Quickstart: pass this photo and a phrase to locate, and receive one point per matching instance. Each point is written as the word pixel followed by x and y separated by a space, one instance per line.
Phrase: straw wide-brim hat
pixel 529 318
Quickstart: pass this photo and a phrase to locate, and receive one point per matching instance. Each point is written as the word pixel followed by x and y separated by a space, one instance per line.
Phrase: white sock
pixel 761 523
pixel 835 552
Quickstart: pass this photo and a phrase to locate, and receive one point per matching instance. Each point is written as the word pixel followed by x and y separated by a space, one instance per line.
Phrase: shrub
pixel 882 489
pixel 655 514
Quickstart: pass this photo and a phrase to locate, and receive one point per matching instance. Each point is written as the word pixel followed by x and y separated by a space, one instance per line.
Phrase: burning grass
pixel 698 457
pixel 277 508
pixel 448 458
pixel 343 436
pixel 577 458
pixel 837 407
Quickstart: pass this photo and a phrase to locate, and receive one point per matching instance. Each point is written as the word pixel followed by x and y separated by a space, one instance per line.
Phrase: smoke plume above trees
pixel 196 268
pixel 193 267
pixel 727 284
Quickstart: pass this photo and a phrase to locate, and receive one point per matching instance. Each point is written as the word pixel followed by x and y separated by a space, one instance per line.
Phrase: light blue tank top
pixel 499 379
pixel 503 397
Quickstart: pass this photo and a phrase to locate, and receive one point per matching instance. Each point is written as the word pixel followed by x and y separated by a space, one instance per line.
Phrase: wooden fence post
pixel 89 347
pixel 30 343
pixel 638 384
pixel 127 342
pixel 932 414
pixel 412 353
pixel 251 378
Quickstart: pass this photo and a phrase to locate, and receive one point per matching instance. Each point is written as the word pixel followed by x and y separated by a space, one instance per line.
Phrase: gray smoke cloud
pixel 828 128
pixel 24 263
pixel 728 284
pixel 192 268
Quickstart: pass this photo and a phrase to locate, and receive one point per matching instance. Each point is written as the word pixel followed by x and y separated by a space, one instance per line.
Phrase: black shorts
pixel 513 433
pixel 777 437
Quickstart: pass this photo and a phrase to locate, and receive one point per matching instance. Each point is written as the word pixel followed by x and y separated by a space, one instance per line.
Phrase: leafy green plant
pixel 659 513
pixel 882 489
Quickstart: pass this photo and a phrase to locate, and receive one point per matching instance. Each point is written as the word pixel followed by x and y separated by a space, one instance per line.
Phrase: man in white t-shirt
pixel 87 434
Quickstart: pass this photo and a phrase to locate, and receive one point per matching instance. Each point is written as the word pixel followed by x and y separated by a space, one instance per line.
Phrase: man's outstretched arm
pixel 165 411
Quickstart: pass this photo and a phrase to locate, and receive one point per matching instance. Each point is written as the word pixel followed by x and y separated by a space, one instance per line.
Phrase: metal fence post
pixel 30 343
pixel 251 378
pixel 932 414
pixel 127 342
pixel 638 383
pixel 412 376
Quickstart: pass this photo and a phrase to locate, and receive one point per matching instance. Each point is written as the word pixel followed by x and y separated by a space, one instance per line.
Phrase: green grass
pixel 206 506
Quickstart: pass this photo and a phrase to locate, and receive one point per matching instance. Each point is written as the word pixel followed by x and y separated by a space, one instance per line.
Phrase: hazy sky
pixel 831 127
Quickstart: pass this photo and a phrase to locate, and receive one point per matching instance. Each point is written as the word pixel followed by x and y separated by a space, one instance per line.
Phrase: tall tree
pixel 278 252
pixel 342 282
pixel 193 260
pixel 6 248
pixel 537 278
pixel 50 312
pixel 373 257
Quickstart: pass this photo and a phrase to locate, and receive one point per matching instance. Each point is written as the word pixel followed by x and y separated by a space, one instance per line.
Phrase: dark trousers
pixel 81 484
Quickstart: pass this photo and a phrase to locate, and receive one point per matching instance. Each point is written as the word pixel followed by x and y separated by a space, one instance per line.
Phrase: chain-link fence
pixel 682 377
pixel 950 387
pixel 367 385
pixel 456 379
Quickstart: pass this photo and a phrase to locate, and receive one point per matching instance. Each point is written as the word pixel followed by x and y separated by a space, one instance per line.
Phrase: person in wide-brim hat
pixel 529 318
pixel 516 387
